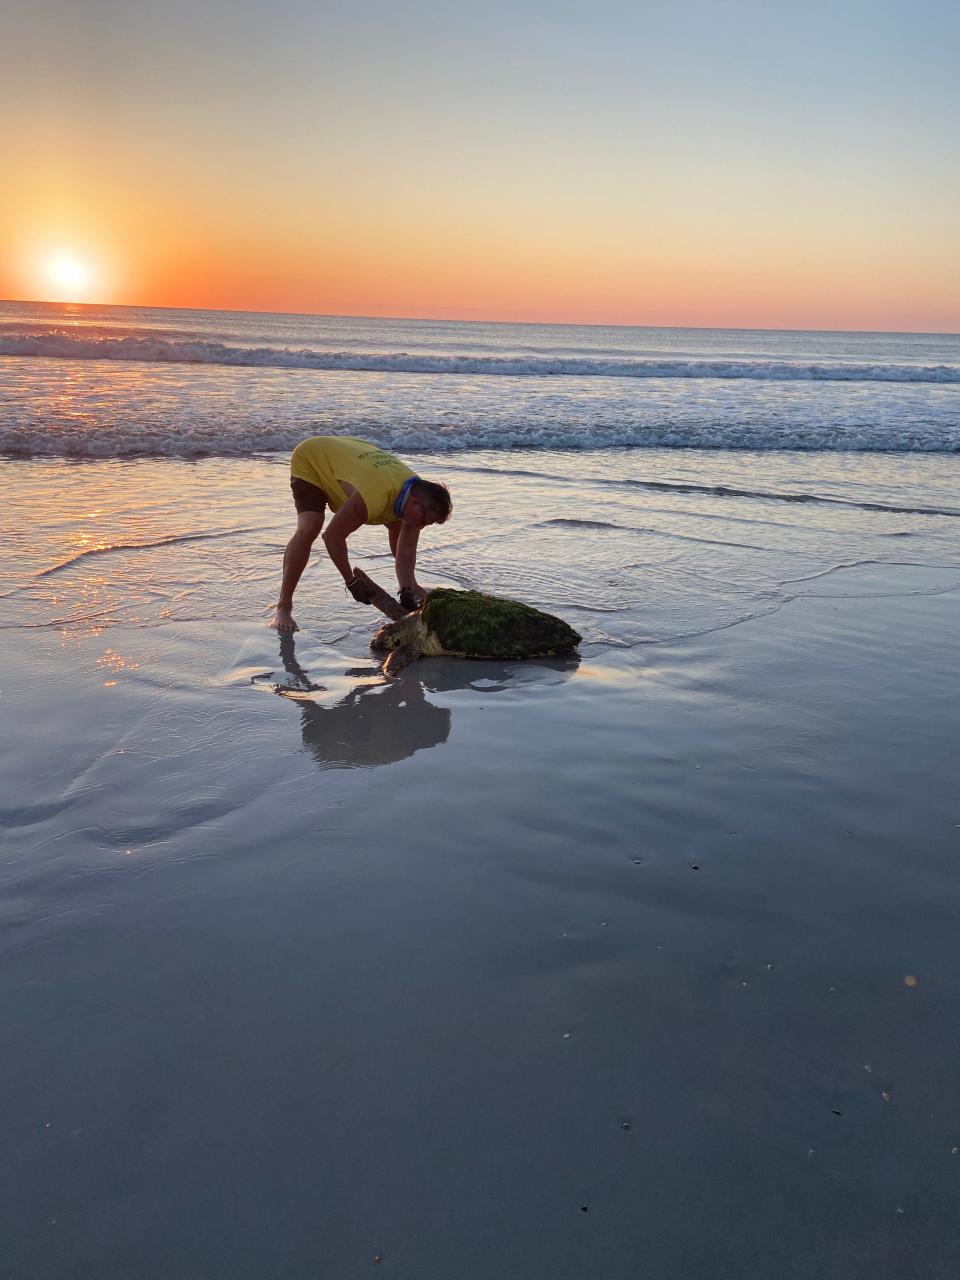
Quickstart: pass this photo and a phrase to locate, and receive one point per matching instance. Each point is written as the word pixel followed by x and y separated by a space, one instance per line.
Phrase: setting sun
pixel 70 276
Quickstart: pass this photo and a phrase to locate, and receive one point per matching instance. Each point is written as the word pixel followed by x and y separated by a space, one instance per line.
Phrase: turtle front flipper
pixel 399 659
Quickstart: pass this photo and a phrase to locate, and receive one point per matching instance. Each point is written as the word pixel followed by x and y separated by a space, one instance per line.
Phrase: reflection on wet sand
pixel 373 724
pixel 379 721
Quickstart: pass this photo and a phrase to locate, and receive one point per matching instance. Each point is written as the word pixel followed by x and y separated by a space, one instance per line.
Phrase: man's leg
pixel 295 560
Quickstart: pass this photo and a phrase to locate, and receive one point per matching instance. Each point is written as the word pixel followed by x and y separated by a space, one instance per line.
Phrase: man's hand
pixel 361 591
pixel 411 598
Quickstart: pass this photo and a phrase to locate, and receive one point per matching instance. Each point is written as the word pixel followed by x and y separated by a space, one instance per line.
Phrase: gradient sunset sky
pixel 740 164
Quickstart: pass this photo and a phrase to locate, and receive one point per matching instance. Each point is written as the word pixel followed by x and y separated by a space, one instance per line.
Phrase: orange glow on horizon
pixel 484 264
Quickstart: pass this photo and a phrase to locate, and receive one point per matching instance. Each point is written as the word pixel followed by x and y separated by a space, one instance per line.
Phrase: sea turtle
pixel 467 624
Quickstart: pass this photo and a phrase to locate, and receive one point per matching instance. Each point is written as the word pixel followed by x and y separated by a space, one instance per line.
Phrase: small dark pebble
pixel 584 1208
pixel 694 866
pixel 836 1112
pixel 625 1125
pixel 637 862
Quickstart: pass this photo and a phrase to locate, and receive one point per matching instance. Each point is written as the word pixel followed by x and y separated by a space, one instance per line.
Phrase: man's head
pixel 427 503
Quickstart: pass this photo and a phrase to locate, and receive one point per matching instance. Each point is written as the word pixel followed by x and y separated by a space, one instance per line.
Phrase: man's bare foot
pixel 283 620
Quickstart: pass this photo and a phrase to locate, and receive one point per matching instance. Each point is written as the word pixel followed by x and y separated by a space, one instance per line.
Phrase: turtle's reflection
pixel 382 721
pixel 371 725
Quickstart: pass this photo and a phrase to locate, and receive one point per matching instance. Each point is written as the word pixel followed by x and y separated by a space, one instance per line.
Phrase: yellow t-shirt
pixel 376 475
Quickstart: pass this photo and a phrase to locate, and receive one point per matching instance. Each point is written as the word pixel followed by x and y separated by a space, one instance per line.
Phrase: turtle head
pixel 394 634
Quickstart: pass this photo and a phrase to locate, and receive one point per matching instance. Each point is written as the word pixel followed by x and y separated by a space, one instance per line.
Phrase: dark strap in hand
pixel 409 600
pixel 361 591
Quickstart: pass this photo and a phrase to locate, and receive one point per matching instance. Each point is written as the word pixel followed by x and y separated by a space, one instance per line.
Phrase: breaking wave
pixel 67 344
pixel 210 438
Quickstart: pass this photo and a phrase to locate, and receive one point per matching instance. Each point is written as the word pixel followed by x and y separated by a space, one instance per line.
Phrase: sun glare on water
pixel 69 276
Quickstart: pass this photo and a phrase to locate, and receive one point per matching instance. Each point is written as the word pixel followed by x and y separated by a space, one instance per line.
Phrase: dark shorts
pixel 307 496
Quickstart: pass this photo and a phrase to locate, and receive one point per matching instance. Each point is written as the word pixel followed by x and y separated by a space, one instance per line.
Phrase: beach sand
pixel 639 964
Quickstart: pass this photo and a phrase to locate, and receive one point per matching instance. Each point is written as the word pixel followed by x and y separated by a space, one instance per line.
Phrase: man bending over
pixel 361 484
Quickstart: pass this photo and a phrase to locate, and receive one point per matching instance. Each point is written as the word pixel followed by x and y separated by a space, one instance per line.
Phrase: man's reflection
pixel 373 724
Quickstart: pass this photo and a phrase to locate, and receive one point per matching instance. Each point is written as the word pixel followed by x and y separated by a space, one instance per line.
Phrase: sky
pixel 750 164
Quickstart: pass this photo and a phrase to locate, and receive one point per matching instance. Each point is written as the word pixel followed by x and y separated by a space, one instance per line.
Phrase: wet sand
pixel 638 965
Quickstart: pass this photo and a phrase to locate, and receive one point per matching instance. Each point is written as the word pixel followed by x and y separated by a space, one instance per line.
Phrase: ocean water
pixel 651 483
pixel 126 382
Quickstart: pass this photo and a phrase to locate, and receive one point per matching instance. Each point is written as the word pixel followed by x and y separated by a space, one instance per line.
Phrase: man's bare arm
pixel 393 533
pixel 346 521
pixel 406 558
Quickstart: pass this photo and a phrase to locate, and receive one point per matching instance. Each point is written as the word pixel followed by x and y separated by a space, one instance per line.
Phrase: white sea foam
pixel 192 438
pixel 91 409
pixel 78 344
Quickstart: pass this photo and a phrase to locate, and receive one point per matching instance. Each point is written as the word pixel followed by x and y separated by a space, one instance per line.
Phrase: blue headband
pixel 401 498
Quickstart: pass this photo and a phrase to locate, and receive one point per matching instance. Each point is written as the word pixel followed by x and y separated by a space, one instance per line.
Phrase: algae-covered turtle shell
pixel 477 625
pixel 468 624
